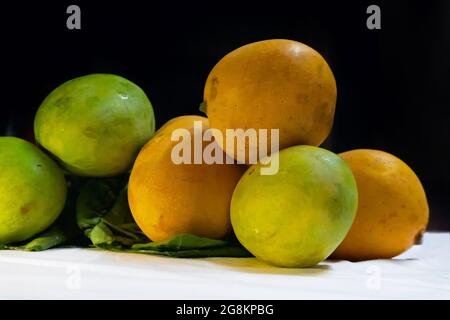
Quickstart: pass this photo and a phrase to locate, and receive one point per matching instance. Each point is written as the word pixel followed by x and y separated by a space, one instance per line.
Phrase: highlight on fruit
pixel 250 179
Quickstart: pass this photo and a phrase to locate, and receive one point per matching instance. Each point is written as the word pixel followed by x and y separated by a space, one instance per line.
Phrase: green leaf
pixel 184 246
pixel 53 237
pixel 95 199
pixel 49 239
pixel 101 234
pixel 192 253
pixel 181 242
pixel 203 107
pixel 104 216
pixel 191 246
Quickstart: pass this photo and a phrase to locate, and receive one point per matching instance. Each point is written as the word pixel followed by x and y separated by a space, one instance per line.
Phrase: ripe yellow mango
pixel 392 211
pixel 272 84
pixel 167 199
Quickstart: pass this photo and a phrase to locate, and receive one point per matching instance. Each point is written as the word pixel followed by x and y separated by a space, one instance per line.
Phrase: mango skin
pixel 95 124
pixel 168 199
pixel 272 84
pixel 32 190
pixel 297 217
pixel 393 209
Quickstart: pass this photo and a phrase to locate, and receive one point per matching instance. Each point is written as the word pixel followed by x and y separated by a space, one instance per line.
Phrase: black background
pixel 393 83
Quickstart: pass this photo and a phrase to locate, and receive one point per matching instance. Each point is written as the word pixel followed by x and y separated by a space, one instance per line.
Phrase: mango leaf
pixel 104 216
pixel 48 239
pixel 181 242
pixel 51 238
pixel 187 246
pixel 191 246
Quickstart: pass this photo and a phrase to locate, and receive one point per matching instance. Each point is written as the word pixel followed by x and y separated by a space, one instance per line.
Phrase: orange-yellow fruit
pixel 392 207
pixel 272 84
pixel 167 199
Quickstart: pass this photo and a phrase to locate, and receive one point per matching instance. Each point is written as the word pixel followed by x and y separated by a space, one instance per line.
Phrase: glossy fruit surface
pixel 392 212
pixel 95 124
pixel 32 190
pixel 272 84
pixel 168 199
pixel 297 217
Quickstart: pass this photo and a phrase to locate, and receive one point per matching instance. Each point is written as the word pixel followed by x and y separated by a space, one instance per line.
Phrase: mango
pixel 95 124
pixel 272 84
pixel 32 190
pixel 393 209
pixel 297 217
pixel 168 199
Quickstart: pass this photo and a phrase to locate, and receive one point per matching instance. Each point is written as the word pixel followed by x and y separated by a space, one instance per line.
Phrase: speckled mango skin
pixel 297 217
pixel 32 190
pixel 168 199
pixel 95 124
pixel 392 212
pixel 272 84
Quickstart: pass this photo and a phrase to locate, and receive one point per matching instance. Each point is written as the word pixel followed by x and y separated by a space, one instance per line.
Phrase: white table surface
pixel 423 272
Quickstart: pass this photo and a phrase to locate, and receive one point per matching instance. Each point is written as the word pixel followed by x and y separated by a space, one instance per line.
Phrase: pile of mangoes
pixel 361 204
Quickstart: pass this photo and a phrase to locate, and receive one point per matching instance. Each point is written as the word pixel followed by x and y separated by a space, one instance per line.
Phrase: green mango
pixel 95 125
pixel 32 190
pixel 298 216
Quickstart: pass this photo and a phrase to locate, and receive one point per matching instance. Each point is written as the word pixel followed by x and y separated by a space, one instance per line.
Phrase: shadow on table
pixel 392 260
pixel 252 265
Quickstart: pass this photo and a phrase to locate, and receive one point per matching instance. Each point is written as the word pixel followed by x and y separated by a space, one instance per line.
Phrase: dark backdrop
pixel 393 83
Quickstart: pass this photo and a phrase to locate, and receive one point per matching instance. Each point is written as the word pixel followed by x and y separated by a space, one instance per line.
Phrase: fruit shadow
pixel 391 261
pixel 253 265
